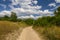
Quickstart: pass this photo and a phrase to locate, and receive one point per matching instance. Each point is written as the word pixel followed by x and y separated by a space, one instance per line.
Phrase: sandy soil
pixel 28 34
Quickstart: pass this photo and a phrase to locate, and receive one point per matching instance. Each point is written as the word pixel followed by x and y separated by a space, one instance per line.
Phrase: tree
pixel 57 15
pixel 58 9
pixel 5 17
pixel 57 12
pixel 13 17
pixel 58 21
pixel 19 20
pixel 29 21
pixel 41 22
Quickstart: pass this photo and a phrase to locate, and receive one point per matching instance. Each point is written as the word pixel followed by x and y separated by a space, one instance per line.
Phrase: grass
pixel 49 33
pixel 7 27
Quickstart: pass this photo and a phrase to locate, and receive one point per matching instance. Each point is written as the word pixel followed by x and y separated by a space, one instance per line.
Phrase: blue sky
pixel 45 4
pixel 28 7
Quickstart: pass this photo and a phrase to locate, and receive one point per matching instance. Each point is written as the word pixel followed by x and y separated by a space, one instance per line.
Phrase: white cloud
pixel 31 16
pixel 8 13
pixel 26 8
pixel 47 11
pixel 30 11
pixel 20 10
pixel 52 5
pixel 57 1
pixel 21 2
pixel 55 7
pixel 35 2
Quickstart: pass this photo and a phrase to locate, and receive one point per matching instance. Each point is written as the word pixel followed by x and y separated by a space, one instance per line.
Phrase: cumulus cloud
pixel 21 2
pixel 52 5
pixel 35 2
pixel 26 7
pixel 57 1
pixel 2 13
pixel 29 13
pixel 31 16
pixel 55 7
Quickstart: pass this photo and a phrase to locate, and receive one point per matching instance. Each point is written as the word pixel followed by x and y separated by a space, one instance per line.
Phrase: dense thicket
pixel 29 21
pixel 45 21
pixel 48 20
pixel 57 15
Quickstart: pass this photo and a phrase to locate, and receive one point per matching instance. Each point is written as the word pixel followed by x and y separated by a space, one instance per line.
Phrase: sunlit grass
pixel 7 27
pixel 50 33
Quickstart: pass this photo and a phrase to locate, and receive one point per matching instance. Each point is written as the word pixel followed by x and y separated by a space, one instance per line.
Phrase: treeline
pixel 13 17
pixel 44 21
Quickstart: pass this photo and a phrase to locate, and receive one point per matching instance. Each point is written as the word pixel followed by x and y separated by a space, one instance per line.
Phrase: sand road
pixel 28 34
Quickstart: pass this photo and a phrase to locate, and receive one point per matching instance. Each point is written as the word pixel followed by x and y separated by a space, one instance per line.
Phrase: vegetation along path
pixel 28 34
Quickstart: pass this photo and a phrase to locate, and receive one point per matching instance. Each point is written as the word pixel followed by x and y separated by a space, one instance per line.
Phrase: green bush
pixel 13 17
pixel 29 21
pixel 58 21
pixel 44 21
pixel 49 33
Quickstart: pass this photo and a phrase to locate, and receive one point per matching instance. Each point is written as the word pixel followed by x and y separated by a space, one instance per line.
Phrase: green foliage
pixel 58 21
pixel 13 17
pixel 45 21
pixel 49 33
pixel 57 12
pixel 58 9
pixel 19 20
pixel 39 22
pixel 57 15
pixel 29 21
pixel 5 17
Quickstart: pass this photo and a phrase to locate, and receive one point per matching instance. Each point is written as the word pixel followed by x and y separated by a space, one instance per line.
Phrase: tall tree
pixel 13 16
pixel 57 12
pixel 57 15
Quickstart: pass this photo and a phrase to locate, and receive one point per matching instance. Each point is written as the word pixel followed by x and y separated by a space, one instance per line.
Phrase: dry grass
pixel 7 27
pixel 50 33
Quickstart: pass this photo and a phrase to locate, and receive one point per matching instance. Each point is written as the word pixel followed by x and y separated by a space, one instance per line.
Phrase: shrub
pixel 29 21
pixel 13 17
pixel 49 33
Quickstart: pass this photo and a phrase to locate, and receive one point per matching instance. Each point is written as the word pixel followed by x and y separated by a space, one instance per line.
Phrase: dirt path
pixel 28 34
